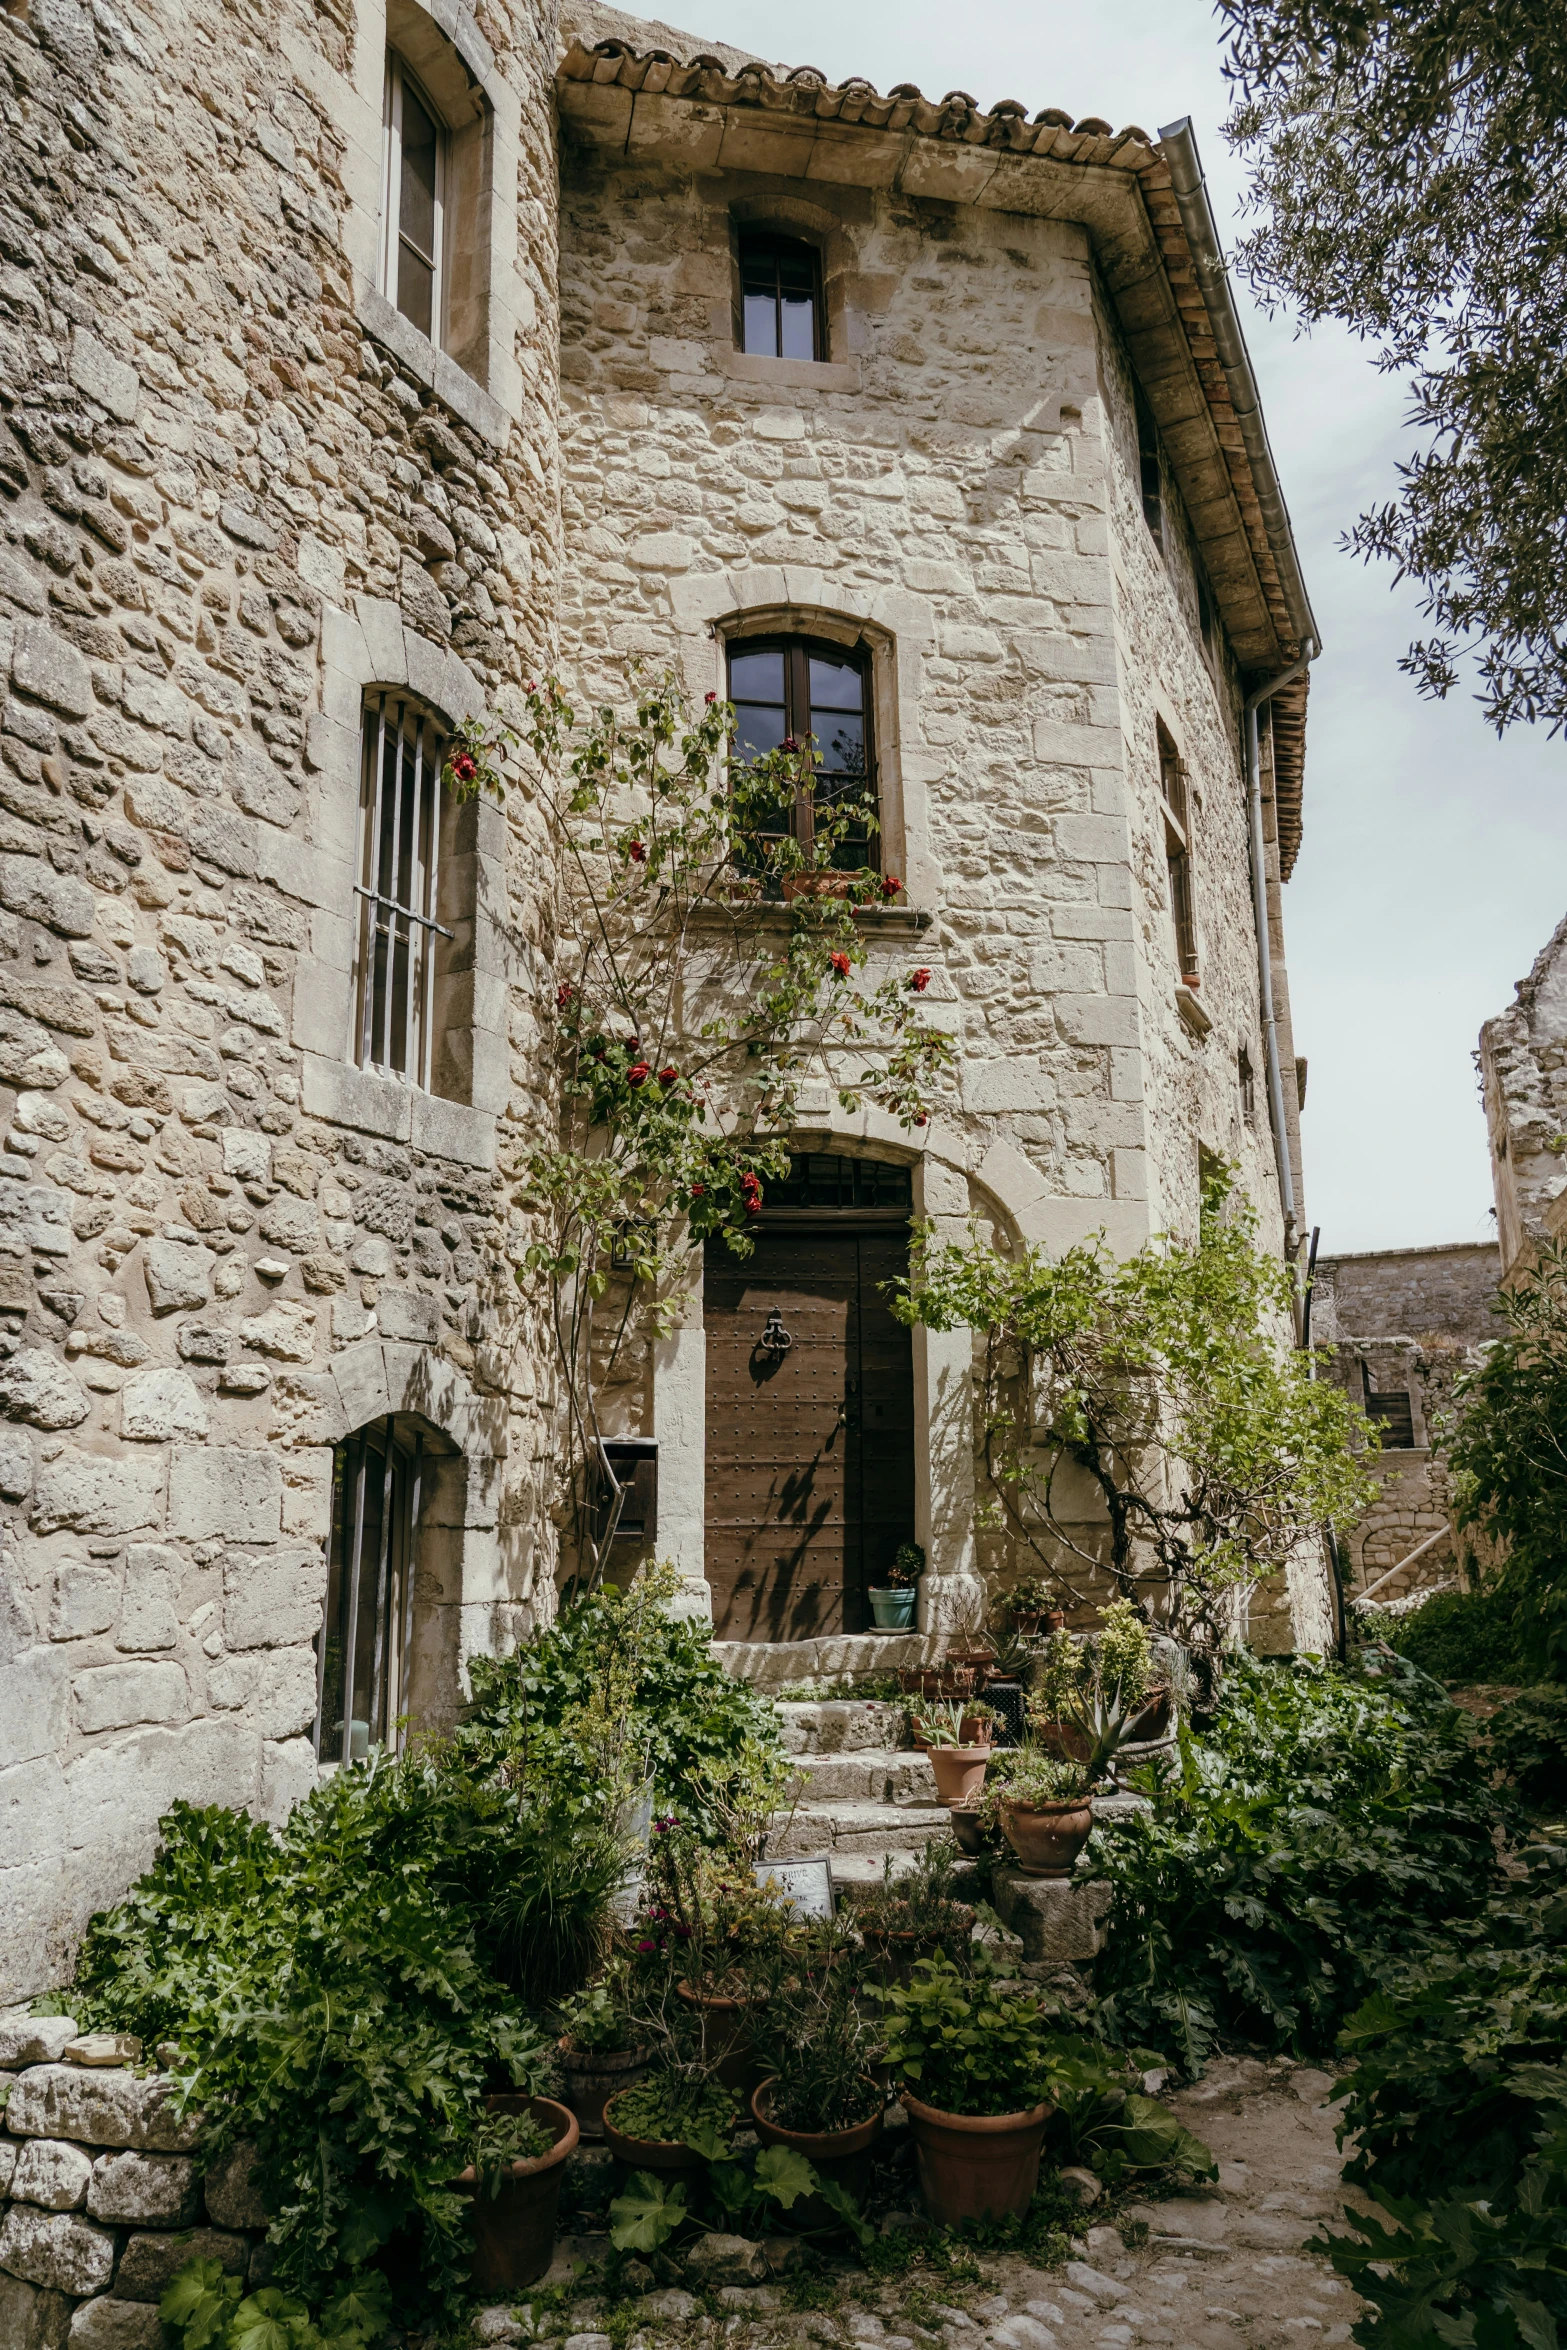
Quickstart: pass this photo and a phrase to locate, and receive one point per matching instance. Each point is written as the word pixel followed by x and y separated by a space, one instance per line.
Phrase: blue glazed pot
pixel 893 1611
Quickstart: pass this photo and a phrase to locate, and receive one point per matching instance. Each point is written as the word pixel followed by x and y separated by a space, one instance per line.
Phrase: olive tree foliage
pixel 1405 157
pixel 1167 1380
pixel 1508 1444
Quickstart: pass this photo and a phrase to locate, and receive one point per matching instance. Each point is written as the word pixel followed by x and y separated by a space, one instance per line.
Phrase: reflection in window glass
pixel 792 687
pixel 780 299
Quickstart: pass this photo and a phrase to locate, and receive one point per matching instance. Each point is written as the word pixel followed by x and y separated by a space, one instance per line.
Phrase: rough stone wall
pixel 1523 1080
pixel 227 510
pixel 1415 1320
pixel 100 2200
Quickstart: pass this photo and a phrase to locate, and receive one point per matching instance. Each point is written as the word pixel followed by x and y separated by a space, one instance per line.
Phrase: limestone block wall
pixel 100 2200
pixel 1523 1079
pixel 236 496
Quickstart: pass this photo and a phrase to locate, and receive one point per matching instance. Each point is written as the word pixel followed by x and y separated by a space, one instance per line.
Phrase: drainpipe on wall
pixel 1259 899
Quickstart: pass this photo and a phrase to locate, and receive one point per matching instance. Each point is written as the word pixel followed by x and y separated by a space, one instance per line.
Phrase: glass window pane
pixel 796 269
pixel 416 202
pixel 836 685
pixel 840 742
pixel 756 677
pixel 761 325
pixel 758 728
pixel 416 290
pixel 798 328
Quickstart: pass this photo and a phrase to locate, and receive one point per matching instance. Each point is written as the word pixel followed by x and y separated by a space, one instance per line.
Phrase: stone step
pixel 866 1775
pixel 875 1828
pixel 842 1725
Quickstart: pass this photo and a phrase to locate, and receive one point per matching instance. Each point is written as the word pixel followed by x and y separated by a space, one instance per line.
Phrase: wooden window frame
pixel 1175 807
pixel 751 238
pixel 398 73
pixel 797 652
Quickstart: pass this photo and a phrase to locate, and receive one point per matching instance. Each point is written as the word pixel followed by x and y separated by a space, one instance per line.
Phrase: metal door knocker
pixel 775 1339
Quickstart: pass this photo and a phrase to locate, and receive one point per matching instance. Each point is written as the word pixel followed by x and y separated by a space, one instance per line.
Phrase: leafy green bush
pixel 1326 1824
pixel 336 1995
pixel 694 1727
pixel 1458 2102
pixel 1527 1740
pixel 1466 1636
pixel 205 2310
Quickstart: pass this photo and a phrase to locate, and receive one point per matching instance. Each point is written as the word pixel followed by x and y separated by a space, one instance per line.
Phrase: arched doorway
pixel 810 1445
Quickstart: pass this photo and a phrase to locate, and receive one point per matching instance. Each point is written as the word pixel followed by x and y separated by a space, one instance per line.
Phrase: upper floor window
pixel 1178 854
pixel 415 194
pixel 1149 466
pixel 797 687
pixel 405 820
pixel 781 298
pixel 1392 1410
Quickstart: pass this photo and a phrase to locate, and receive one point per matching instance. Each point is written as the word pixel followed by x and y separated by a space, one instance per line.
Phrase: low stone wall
pixel 100 2201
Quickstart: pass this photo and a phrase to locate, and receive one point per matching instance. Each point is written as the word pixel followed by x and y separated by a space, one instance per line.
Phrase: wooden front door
pixel 810 1450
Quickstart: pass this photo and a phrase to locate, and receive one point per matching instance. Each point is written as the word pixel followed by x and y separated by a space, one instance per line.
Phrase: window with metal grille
pixel 788 688
pixel 824 1180
pixel 1248 1085
pixel 400 826
pixel 364 1652
pixel 781 298
pixel 413 201
pixel 1178 854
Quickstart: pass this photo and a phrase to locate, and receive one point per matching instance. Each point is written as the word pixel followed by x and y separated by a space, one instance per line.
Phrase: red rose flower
pixel 464 766
pixel 699 1191
pixel 637 1072
pixel 563 995
pixel 789 743
pixel 709 698
pixel 922 1120
pixel 919 981
pixel 668 1076
pixel 891 886
pixel 637 853
pixel 840 964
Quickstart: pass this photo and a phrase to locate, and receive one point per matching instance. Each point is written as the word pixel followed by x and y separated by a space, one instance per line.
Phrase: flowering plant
pixel 715 962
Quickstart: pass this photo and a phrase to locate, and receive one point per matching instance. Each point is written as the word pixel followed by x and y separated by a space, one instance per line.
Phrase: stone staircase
pixel 859 1795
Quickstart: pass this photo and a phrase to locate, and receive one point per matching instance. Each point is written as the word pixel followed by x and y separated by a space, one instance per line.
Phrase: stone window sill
pixel 802 375
pixel 371 1104
pixel 772 914
pixel 433 368
pixel 1196 1016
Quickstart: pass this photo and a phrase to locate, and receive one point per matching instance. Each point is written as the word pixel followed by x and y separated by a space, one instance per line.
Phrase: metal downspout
pixel 1259 898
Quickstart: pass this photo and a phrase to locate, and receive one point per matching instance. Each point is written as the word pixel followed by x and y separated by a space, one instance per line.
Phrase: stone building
pixel 357 363
pixel 1523 1080
pixel 1403 1324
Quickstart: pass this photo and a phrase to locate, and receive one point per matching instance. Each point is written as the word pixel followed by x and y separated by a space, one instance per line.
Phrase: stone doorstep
pixel 839 1725
pixel 855 1827
pixel 866 1775
pixel 772 1664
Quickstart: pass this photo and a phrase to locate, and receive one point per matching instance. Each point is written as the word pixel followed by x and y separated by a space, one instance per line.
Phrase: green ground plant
pixel 1492 1635
pixel 1326 1825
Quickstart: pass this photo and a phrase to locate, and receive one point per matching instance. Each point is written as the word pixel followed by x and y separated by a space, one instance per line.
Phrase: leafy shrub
pixel 1328 1823
pixel 963 2046
pixel 694 1728
pixel 205 2310
pixel 336 1994
pixel 1486 1635
pixel 1458 2099
pixel 1527 1741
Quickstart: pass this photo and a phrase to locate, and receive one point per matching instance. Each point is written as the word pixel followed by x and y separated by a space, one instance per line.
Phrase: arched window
pixel 414 201
pixel 792 687
pixel 781 314
pixel 364 1651
pixel 411 936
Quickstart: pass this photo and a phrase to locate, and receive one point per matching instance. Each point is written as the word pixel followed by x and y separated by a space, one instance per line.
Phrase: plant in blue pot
pixel 893 1604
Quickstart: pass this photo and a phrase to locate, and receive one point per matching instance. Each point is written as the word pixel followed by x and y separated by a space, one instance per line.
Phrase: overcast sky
pixel 1435 857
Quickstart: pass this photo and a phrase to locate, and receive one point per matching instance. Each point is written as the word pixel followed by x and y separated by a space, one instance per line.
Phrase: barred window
pixel 364 1653
pixel 401 820
pixel 1178 853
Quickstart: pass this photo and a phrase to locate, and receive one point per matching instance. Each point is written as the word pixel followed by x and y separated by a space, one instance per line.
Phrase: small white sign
pixel 806 1885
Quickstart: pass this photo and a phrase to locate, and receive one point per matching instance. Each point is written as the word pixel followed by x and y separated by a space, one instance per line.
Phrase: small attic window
pixel 781 314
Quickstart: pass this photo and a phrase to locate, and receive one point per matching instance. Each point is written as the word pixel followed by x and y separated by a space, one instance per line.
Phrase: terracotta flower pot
pixel 1153 1721
pixel 960 1771
pixel 844 2155
pixel 1047 1837
pixel 1064 1739
pixel 976 2166
pixel 828 884
pixel 966 1830
pixel 726 2036
pixel 660 2154
pixel 514 2229
pixel 592 2074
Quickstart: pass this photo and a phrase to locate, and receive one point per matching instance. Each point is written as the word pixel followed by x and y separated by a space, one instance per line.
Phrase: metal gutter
pixel 1178 146
pixel 1259 898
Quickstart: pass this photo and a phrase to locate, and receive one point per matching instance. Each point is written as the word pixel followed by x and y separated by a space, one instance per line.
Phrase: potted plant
pixel 893 1603
pixel 913 1916
pixel 821 2098
pixel 1045 1811
pixel 1061 1675
pixel 957 1745
pixel 675 2119
pixel 1124 1669
pixel 1030 1607
pixel 520 2147
pixel 975 2070
pixel 600 2050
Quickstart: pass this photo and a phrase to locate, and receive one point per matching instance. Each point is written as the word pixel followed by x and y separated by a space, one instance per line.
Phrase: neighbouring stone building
pixel 358 363
pixel 1523 1080
pixel 1403 1324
